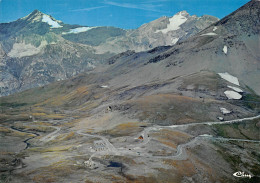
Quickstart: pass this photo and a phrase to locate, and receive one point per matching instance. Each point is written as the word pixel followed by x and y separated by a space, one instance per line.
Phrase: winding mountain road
pixel 181 153
pixel 214 122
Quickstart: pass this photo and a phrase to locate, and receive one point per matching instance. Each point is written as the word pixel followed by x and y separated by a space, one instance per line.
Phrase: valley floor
pixel 146 153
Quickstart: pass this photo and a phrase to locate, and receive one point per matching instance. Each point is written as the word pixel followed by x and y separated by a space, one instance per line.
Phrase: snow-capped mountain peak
pixel 37 16
pixel 175 22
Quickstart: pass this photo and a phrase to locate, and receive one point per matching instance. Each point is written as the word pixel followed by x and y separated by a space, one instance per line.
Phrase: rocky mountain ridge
pixel 165 31
pixel 38 49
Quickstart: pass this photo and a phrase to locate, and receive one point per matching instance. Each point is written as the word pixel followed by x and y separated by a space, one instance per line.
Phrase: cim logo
pixel 242 174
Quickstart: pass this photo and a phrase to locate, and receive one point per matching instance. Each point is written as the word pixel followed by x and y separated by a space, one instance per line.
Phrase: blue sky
pixel 119 13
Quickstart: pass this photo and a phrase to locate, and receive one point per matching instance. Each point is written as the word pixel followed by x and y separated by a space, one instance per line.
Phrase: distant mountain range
pixel 38 49
pixel 161 32
pixel 229 45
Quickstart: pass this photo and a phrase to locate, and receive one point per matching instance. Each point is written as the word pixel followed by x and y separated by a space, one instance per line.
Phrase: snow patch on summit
pixel 225 49
pixel 104 86
pixel 236 89
pixel 233 95
pixel 229 78
pixel 79 30
pixel 174 40
pixel 175 23
pixel 224 110
pixel 206 135
pixel 52 23
pixel 209 34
